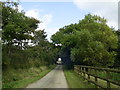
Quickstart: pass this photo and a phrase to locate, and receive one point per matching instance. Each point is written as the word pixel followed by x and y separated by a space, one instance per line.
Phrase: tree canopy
pixel 91 41
pixel 23 45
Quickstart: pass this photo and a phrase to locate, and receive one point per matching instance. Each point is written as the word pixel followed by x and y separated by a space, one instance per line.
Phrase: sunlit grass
pixel 76 81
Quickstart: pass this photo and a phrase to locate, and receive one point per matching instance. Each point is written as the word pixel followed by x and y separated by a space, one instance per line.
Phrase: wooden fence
pixel 87 72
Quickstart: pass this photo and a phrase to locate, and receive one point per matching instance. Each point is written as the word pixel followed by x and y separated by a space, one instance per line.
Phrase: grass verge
pixel 76 81
pixel 82 82
pixel 24 82
pixel 103 82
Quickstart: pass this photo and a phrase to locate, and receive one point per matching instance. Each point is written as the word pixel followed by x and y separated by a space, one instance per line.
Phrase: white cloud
pixel 104 8
pixel 20 8
pixel 51 31
pixel 33 13
pixel 46 0
pixel 46 19
pixel 95 0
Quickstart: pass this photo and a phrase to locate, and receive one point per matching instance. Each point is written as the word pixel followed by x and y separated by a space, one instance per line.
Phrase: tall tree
pixel 90 42
pixel 117 61
pixel 16 27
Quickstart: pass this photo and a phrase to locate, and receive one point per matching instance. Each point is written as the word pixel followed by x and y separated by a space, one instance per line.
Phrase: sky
pixel 55 14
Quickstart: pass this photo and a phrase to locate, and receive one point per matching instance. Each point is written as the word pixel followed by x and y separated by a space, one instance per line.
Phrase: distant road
pixel 54 79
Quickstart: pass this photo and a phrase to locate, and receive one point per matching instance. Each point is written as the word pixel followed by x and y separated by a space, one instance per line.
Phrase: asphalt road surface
pixel 54 79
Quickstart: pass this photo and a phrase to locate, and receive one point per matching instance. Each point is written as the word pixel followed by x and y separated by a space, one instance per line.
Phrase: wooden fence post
pixel 87 72
pixel 88 75
pixel 80 70
pixel 108 77
pixel 96 80
pixel 84 71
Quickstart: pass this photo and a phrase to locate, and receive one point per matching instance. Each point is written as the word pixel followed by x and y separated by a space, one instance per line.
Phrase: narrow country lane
pixel 54 79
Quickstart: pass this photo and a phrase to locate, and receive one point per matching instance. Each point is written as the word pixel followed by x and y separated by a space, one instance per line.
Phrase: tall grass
pixel 22 77
pixel 113 76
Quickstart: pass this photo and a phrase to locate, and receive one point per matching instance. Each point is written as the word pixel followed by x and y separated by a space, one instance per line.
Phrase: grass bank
pixel 103 82
pixel 76 81
pixel 22 77
pixel 113 76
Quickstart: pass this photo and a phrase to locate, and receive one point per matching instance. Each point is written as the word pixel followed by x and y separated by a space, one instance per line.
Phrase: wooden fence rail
pixel 88 70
